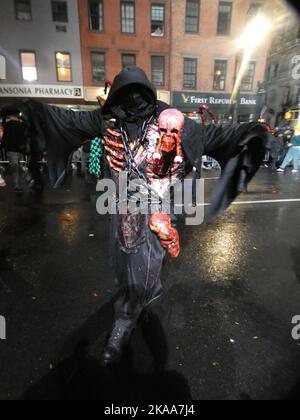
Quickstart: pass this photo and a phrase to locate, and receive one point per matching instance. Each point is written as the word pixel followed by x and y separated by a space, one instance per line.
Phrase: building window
pixel 2 67
pixel 224 21
pixel 157 20
pixel 128 17
pixel 158 70
pixel 60 11
pixel 96 15
pixel 128 60
pixel 192 16
pixel 248 79
pixel 63 67
pixel 268 74
pixel 276 70
pixel 190 73
pixel 98 67
pixel 23 10
pixel 220 75
pixel 298 96
pixel 28 63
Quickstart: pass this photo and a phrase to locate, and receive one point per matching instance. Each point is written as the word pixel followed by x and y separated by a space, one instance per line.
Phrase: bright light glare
pixel 255 32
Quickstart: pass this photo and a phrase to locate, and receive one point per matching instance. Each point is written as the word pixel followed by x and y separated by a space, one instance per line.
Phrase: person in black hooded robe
pixel 128 116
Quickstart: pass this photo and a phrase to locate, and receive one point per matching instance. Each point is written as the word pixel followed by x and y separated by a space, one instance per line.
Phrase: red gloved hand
pixel 160 223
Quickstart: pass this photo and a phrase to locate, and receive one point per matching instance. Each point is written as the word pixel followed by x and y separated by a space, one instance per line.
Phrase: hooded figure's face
pixel 132 97
pixel 132 104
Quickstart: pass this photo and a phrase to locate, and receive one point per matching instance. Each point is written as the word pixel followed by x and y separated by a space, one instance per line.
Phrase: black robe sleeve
pixel 57 131
pixel 239 149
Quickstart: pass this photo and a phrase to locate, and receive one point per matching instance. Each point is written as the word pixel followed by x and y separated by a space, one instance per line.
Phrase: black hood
pixel 132 96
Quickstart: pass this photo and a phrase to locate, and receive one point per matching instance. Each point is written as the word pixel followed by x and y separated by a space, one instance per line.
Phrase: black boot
pixel 116 344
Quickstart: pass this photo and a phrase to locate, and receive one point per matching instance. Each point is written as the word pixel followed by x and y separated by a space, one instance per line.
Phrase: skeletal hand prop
pixel 206 109
pixel 170 126
pixel 116 154
pixel 103 97
pixel 160 223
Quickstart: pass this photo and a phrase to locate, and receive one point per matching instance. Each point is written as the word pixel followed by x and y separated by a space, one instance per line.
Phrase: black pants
pixel 137 272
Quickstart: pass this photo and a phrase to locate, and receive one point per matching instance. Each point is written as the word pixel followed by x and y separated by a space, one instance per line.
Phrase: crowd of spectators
pixel 284 148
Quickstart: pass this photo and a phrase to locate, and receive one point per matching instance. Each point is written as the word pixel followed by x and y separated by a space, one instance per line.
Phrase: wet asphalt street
pixel 221 331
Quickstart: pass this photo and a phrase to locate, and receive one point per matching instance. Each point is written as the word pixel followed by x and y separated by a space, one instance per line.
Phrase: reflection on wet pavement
pixel 222 330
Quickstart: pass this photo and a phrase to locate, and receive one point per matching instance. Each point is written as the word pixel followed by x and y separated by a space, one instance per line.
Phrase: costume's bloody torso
pixel 156 177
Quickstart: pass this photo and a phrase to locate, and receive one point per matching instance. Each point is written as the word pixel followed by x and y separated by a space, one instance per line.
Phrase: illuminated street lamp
pixel 255 34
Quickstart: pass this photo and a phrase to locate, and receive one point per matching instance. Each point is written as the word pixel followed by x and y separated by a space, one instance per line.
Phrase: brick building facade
pixel 115 33
pixel 187 48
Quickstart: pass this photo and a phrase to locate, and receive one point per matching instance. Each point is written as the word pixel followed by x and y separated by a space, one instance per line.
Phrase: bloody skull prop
pixel 170 125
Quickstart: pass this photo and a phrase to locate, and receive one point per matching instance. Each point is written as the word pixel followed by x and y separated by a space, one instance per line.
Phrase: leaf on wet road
pixel 66 218
pixel 275 190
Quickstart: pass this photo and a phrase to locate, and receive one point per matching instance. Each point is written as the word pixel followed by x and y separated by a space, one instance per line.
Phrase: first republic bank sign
pixel 41 91
pixel 188 99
